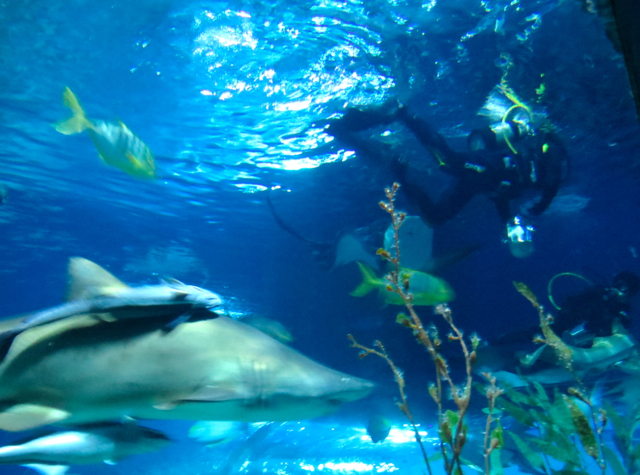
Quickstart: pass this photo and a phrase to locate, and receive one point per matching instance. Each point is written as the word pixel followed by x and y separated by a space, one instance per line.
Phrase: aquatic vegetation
pixel 452 428
pixel 557 428
pixel 564 419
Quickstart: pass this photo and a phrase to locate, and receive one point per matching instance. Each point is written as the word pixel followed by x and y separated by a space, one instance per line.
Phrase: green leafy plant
pixel 568 430
pixel 452 427
pixel 558 429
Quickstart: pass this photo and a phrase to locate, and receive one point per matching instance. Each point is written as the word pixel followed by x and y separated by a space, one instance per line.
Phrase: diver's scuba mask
pixel 508 132
pixel 497 136
pixel 519 238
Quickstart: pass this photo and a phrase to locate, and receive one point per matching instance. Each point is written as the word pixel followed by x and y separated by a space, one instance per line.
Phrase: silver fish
pixel 94 290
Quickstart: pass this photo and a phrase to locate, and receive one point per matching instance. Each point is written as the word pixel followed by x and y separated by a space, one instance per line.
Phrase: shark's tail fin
pixel 322 252
pixel 369 281
pixel 78 121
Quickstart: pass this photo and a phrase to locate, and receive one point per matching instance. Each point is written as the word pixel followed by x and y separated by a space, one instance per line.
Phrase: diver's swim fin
pixel 442 263
pixel 621 20
pixel 627 17
pixel 323 252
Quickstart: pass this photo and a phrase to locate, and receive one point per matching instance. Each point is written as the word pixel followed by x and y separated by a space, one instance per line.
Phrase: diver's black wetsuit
pixel 500 174
pixel 596 307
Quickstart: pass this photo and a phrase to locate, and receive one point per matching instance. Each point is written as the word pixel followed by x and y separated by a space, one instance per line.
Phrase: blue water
pixel 232 98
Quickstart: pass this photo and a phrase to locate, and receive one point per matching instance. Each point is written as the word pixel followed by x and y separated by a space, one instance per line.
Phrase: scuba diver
pixel 587 314
pixel 492 166
pixel 591 313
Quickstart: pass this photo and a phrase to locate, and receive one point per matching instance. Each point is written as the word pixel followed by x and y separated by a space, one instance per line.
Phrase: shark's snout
pixel 354 389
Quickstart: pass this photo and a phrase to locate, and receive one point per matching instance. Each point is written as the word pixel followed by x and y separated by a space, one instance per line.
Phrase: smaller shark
pixel 604 352
pixel 571 362
pixel 109 443
pixel 93 290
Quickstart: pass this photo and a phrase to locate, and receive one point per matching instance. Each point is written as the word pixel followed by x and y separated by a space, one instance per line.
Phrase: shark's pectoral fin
pixel 178 321
pixel 29 416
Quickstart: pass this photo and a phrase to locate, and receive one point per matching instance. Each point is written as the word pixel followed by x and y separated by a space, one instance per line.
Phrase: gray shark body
pixel 83 370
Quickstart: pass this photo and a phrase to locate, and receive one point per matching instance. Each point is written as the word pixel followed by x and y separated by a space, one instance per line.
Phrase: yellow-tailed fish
pixel 426 289
pixel 115 143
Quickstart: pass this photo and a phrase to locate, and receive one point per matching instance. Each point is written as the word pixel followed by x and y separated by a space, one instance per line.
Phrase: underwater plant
pixel 452 428
pixel 553 432
pixel 568 425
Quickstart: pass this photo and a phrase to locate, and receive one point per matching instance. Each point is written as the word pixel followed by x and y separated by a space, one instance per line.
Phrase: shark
pixel 90 368
pixel 604 351
pixel 55 452
pixel 569 362
pixel 92 289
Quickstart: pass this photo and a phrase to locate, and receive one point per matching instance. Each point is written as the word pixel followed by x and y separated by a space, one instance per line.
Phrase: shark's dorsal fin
pixel 530 359
pixel 618 328
pixel 87 280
